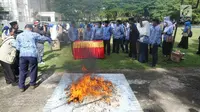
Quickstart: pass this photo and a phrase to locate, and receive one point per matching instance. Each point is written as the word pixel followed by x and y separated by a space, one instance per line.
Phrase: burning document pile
pixel 93 93
pixel 88 86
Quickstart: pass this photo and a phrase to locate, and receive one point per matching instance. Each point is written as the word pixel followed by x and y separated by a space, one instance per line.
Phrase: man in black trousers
pixel 26 44
pixel 107 33
pixel 134 36
pixel 118 34
pixel 198 52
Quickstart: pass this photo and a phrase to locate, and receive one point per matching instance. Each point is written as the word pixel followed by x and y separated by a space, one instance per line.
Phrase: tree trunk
pixel 89 18
pixel 115 15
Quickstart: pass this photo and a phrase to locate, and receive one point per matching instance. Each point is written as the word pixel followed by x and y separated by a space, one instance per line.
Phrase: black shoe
pixel 134 59
pixel 8 83
pixel 14 84
pixel 153 66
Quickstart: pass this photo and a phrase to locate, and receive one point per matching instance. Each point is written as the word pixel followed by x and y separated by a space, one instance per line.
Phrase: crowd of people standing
pixel 21 51
pixel 137 38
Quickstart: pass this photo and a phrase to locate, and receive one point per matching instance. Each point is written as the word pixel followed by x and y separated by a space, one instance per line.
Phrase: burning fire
pixel 89 86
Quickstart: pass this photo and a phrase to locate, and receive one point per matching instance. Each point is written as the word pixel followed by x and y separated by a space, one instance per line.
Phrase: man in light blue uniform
pixel 155 40
pixel 118 34
pixel 88 33
pixel 98 32
pixel 73 34
pixel 26 44
pixel 107 33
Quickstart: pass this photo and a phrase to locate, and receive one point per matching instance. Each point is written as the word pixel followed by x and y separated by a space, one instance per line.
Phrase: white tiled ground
pixel 124 99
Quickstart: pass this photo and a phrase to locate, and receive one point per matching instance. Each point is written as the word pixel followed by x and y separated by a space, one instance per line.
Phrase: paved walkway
pixel 158 90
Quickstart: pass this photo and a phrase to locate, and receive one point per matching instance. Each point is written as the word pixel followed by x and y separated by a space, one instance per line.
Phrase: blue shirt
pixel 187 27
pixel 127 33
pixel 73 34
pixel 88 35
pixel 168 31
pixel 107 32
pixel 98 34
pixel 155 35
pixel 118 32
pixel 26 43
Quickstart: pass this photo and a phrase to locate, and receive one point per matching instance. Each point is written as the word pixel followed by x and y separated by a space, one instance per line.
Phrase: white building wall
pixel 22 10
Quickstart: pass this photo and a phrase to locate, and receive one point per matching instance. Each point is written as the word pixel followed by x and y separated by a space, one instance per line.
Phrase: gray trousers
pixel 40 47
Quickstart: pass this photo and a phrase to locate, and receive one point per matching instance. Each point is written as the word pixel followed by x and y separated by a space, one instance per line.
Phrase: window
pixel 20 13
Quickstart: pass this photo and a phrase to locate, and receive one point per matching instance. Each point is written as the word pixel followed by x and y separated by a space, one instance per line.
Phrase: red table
pixel 88 49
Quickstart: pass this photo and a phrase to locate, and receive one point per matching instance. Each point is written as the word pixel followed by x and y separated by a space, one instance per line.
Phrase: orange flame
pixel 89 86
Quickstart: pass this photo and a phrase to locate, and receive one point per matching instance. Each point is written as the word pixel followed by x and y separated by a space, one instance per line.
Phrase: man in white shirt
pixel 118 34
pixel 144 29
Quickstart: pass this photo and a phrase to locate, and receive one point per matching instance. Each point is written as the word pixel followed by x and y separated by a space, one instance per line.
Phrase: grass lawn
pixel 63 60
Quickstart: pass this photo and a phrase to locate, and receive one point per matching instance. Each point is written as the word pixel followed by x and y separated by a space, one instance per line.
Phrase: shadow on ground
pixel 166 90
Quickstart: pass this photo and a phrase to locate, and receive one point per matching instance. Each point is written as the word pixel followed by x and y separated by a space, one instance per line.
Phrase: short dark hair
pixel 11 29
pixel 119 21
pixel 107 22
pixel 157 21
pixel 13 23
pixel 29 26
pixel 73 22
pixel 99 22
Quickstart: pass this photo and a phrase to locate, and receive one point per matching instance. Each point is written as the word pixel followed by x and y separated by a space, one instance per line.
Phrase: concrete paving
pixel 157 90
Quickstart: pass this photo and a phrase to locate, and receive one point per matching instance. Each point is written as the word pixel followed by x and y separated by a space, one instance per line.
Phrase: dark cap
pixel 99 22
pixel 88 25
pixel 73 22
pixel 13 23
pixel 107 22
pixel 119 21
pixel 29 26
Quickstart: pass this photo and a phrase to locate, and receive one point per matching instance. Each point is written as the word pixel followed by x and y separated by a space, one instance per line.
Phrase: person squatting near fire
pixel 26 44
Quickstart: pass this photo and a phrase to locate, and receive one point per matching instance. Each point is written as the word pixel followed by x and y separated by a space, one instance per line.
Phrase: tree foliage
pixel 77 9
pixel 86 10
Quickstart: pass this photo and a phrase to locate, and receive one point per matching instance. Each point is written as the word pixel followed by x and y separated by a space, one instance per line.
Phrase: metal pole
pixel 40 8
pixel 175 35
